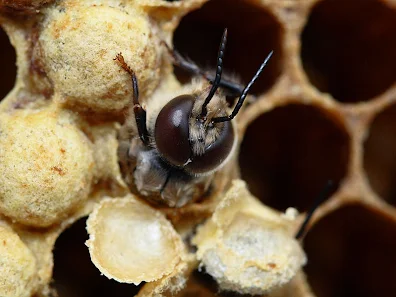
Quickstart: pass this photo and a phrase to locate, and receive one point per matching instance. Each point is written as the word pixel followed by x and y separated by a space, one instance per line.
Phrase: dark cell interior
pixel 252 34
pixel 7 62
pixel 351 253
pixel 201 284
pixel 380 154
pixel 288 155
pixel 75 275
pixel 348 48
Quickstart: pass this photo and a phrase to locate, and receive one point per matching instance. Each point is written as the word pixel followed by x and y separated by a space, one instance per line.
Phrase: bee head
pixel 192 142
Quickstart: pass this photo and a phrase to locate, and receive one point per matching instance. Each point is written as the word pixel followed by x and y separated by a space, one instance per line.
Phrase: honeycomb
pixel 324 108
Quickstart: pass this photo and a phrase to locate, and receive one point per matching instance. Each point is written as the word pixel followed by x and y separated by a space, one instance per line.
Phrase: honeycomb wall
pixel 323 109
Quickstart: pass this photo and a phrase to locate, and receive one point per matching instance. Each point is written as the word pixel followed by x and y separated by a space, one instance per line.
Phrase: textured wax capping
pixel 247 247
pixel 324 108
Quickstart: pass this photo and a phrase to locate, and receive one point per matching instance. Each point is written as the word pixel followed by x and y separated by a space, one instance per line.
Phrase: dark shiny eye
pixel 171 131
pixel 215 154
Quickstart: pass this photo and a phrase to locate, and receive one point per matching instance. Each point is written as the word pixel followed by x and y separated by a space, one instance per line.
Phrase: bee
pixel 169 154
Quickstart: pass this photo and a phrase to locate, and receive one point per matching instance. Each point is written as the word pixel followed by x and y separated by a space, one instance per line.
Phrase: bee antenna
pixel 219 69
pixel 328 188
pixel 244 93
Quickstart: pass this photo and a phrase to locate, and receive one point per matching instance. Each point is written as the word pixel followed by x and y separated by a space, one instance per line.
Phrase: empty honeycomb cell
pixel 74 273
pixel 8 67
pixel 348 48
pixel 379 154
pixel 252 33
pixel 288 154
pixel 351 253
pixel 46 166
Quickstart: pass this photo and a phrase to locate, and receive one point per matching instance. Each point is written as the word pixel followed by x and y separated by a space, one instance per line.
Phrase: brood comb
pixel 323 109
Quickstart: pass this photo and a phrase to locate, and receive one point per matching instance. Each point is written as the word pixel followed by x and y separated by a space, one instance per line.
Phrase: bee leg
pixel 138 110
pixel 178 60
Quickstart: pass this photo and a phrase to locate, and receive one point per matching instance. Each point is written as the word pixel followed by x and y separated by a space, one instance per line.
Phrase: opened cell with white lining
pixel 131 242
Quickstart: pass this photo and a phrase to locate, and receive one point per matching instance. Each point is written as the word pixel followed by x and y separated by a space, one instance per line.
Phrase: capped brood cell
pixel 47 166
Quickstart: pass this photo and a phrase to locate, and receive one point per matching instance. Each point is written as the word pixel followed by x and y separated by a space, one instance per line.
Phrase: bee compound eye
pixel 216 153
pixel 171 131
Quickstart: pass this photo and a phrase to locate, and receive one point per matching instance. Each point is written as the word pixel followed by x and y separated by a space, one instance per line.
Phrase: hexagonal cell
pixel 348 48
pixel 379 154
pixel 74 273
pixel 289 153
pixel 351 253
pixel 252 33
pixel 8 66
